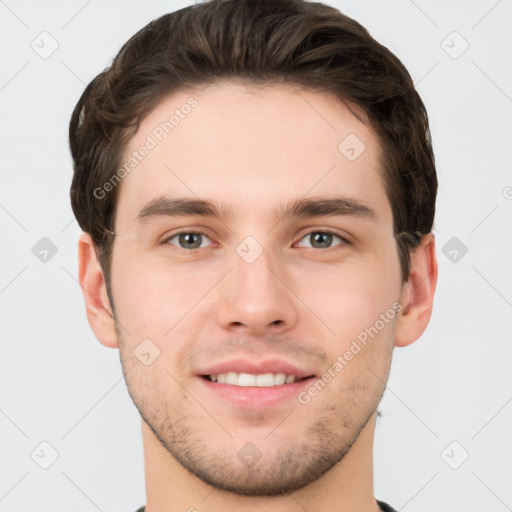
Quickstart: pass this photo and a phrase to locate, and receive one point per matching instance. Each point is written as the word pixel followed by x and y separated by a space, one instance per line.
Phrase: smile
pixel 261 380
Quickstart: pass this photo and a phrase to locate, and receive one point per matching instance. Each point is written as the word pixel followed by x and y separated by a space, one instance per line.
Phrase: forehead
pixel 249 148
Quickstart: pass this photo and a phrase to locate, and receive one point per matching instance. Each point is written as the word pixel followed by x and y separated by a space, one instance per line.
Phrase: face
pixel 290 272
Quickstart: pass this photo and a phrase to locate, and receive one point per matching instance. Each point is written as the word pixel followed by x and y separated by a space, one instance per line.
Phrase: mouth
pixel 250 385
pixel 260 380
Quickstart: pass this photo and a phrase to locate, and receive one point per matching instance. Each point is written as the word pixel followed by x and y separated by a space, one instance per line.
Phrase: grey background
pixel 59 385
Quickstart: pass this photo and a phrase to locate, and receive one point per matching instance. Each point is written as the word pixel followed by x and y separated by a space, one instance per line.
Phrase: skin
pixel 253 149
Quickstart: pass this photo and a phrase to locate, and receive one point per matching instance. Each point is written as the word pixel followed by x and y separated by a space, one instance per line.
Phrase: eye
pixel 196 240
pixel 187 240
pixel 323 239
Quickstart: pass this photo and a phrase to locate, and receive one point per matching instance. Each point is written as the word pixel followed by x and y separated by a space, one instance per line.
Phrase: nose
pixel 256 299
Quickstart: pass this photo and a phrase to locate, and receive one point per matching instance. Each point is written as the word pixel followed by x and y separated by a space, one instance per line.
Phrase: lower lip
pixel 255 397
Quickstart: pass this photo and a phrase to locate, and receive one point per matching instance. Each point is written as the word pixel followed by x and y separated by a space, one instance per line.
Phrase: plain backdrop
pixel 443 442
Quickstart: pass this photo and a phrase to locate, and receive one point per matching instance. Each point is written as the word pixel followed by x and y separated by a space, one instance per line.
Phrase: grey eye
pixel 189 240
pixel 321 239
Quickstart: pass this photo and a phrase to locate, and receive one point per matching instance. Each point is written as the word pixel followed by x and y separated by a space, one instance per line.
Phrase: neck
pixel 347 486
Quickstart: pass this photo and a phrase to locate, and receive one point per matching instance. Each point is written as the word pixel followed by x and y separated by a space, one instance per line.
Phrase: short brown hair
pixel 259 41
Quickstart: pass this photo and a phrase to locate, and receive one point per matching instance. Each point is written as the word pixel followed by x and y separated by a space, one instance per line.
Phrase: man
pixel 256 186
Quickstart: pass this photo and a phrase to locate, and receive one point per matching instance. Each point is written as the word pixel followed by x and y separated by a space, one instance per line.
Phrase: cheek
pixel 152 297
pixel 359 305
pixel 350 297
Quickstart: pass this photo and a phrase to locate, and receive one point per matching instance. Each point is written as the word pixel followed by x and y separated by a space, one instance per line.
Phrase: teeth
pixel 263 380
pixel 279 379
pixel 232 378
pixel 245 379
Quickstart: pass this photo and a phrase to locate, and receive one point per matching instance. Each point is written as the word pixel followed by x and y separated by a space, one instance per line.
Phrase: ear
pixel 94 289
pixel 418 293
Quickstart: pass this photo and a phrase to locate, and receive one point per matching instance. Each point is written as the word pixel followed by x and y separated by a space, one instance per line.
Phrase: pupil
pixel 187 238
pixel 319 236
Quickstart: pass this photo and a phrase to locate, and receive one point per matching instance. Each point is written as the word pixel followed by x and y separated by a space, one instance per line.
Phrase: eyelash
pixel 326 231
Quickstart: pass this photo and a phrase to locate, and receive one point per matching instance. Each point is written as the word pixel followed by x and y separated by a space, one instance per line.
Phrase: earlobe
pixel 97 305
pixel 418 293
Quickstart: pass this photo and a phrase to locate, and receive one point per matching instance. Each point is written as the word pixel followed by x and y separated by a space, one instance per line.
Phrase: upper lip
pixel 252 367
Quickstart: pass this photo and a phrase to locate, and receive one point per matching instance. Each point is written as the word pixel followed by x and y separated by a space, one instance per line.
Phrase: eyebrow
pixel 299 208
